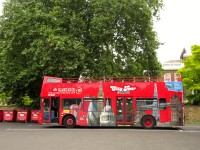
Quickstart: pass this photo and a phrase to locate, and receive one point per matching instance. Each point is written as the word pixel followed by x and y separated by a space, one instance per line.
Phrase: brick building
pixel 171 67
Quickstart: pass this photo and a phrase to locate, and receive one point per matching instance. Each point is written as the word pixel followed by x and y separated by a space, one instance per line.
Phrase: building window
pixel 167 77
pixel 177 77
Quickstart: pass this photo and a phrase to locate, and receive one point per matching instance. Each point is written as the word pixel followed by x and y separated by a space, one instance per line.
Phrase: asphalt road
pixel 29 136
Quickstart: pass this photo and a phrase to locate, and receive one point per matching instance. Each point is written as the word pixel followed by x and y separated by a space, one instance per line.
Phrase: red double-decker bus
pixel 111 102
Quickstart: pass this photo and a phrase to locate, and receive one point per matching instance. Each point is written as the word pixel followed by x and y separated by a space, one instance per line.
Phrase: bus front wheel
pixel 148 122
pixel 69 122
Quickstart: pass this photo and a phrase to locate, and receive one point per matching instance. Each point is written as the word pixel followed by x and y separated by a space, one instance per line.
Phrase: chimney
pixel 183 52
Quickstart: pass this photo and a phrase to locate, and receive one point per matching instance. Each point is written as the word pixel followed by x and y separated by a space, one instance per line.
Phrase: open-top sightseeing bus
pixel 111 102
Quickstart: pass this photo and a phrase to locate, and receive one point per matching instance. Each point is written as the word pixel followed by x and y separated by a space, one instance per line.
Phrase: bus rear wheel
pixel 148 122
pixel 69 122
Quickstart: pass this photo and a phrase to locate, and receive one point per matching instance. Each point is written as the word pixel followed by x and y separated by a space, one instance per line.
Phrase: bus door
pixel 51 110
pixel 45 108
pixel 125 110
pixel 55 105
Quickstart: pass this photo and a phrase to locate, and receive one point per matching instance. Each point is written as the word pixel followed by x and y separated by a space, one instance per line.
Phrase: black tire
pixel 69 122
pixel 148 122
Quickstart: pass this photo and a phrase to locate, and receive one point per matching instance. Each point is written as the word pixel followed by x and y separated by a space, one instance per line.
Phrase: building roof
pixel 173 61
pixel 172 65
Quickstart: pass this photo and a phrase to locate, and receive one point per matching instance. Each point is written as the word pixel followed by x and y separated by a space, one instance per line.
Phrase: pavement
pixel 32 136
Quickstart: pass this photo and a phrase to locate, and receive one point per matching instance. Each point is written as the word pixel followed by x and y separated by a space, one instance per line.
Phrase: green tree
pixel 4 98
pixel 191 75
pixel 69 38
pixel 26 102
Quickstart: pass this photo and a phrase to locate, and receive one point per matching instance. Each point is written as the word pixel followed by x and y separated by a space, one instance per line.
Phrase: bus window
pixel 67 102
pixel 146 103
pixel 93 104
pixel 162 104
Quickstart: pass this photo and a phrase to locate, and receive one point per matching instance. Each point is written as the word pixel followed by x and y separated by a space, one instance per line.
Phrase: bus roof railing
pixel 105 79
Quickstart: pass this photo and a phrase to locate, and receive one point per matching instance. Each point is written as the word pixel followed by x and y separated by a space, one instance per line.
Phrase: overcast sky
pixel 178 28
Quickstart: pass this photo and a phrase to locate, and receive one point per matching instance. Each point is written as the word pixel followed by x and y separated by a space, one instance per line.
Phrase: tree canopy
pixel 69 38
pixel 191 74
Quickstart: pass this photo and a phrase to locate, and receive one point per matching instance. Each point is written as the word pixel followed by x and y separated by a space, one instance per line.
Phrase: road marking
pixel 179 131
pixel 34 129
pixel 192 126
pixel 192 131
pixel 61 129
pixel 32 125
pixel 195 126
pixel 149 130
